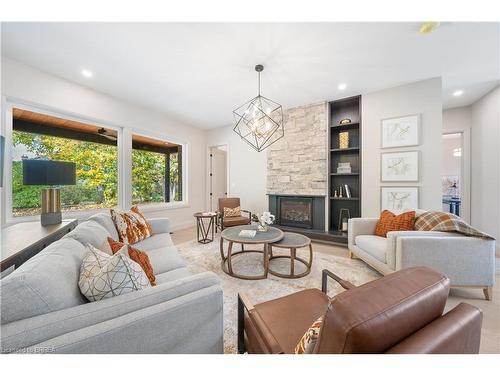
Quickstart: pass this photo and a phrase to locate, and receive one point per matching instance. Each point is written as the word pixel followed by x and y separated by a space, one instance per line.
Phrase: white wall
pixel 485 159
pixel 22 83
pixel 422 98
pixel 247 169
pixel 457 120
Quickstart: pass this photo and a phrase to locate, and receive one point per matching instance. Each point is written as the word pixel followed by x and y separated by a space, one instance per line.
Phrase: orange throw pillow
pixel 389 222
pixel 137 256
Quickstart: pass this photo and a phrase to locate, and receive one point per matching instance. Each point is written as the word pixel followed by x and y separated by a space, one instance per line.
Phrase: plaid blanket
pixel 446 222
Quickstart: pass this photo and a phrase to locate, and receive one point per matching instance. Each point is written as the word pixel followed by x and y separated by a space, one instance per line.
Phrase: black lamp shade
pixel 48 172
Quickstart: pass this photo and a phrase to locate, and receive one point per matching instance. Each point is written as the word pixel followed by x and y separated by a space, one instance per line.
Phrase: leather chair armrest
pixel 248 212
pixel 324 281
pixel 244 304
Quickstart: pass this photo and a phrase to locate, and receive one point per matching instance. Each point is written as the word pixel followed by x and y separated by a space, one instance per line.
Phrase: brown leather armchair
pixel 224 222
pixel 398 313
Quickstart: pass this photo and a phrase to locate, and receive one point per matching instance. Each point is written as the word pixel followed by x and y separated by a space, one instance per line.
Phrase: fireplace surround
pixel 298 211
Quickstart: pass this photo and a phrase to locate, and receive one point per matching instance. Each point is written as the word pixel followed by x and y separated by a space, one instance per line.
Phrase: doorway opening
pixel 453 173
pixel 217 175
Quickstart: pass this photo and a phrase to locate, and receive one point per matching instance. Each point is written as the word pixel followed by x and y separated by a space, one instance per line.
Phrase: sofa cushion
pixel 165 259
pixel 376 246
pixel 155 241
pixel 166 277
pixel 105 276
pixel 47 282
pixel 89 232
pixel 105 220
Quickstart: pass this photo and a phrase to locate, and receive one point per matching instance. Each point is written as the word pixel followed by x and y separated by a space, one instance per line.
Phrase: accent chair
pixel 396 314
pixel 224 222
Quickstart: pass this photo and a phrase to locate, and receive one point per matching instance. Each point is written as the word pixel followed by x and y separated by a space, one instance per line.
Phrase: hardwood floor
pixel 490 335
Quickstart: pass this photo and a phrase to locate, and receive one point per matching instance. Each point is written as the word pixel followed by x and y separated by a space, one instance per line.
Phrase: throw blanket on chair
pixel 446 222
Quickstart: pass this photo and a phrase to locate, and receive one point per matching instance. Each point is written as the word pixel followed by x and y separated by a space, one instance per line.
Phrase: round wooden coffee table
pixel 261 238
pixel 292 241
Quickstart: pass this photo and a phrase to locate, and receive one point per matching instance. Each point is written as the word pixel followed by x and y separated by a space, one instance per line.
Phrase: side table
pixel 205 224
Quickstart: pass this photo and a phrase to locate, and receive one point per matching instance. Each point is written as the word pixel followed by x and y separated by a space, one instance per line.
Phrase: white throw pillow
pixel 104 276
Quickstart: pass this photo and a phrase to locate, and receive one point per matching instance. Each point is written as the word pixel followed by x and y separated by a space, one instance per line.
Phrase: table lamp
pixel 49 173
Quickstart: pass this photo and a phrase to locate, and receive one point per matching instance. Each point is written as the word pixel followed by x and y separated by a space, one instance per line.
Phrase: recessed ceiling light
pixel 87 73
pixel 458 92
pixel 342 86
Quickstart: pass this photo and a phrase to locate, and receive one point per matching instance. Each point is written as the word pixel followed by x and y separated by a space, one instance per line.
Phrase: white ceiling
pixel 199 72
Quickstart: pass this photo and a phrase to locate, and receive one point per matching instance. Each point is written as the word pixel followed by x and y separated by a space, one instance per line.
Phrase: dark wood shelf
pixel 344 174
pixel 352 125
pixel 344 149
pixel 339 109
pixel 344 199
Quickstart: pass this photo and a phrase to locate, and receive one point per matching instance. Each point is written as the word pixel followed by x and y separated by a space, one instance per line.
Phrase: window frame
pixel 124 146
pixel 158 206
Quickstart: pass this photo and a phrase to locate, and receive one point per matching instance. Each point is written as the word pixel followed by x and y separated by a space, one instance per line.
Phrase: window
pixel 156 170
pixel 93 149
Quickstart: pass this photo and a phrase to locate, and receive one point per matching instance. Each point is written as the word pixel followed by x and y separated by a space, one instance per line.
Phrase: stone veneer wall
pixel 296 164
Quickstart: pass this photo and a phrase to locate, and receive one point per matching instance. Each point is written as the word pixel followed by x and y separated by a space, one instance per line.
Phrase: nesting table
pixel 231 235
pixel 273 237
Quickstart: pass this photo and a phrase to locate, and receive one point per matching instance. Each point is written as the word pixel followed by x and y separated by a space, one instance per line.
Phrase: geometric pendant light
pixel 259 122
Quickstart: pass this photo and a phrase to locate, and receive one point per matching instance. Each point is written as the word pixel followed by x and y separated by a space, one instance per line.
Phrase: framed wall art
pixel 398 198
pixel 399 166
pixel 400 131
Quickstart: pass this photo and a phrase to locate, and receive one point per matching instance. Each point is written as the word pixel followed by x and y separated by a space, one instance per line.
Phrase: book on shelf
pixel 347 191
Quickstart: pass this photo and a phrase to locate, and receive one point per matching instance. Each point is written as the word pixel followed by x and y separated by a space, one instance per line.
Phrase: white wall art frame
pixel 399 166
pixel 398 198
pixel 400 131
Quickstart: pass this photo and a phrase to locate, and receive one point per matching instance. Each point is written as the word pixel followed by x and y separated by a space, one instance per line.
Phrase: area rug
pixel 206 257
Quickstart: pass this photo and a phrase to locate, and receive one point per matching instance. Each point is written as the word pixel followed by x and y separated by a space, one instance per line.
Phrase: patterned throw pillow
pixel 232 212
pixel 308 342
pixel 389 222
pixel 447 222
pixel 104 276
pixel 132 226
pixel 137 256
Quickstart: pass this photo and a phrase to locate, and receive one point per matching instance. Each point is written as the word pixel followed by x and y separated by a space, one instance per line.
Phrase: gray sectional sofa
pixel 43 311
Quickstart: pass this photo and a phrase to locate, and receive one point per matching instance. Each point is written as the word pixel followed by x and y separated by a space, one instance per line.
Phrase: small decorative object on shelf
pixel 265 220
pixel 340 192
pixel 335 194
pixel 345 121
pixel 344 168
pixel 344 140
pixel 347 191
pixel 344 216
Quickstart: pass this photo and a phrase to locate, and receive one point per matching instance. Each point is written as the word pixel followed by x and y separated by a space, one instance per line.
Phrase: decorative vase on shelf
pixel 265 220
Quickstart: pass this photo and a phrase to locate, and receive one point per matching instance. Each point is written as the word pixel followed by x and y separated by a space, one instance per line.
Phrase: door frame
pixel 208 177
pixel 465 189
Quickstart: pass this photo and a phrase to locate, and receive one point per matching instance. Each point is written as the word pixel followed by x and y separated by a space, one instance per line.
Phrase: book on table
pixel 248 233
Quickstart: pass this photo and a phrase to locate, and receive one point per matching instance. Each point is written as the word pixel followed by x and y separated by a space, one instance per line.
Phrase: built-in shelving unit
pixel 338 110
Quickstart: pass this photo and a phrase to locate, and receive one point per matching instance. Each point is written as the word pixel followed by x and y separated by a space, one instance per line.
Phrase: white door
pixel 218 175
